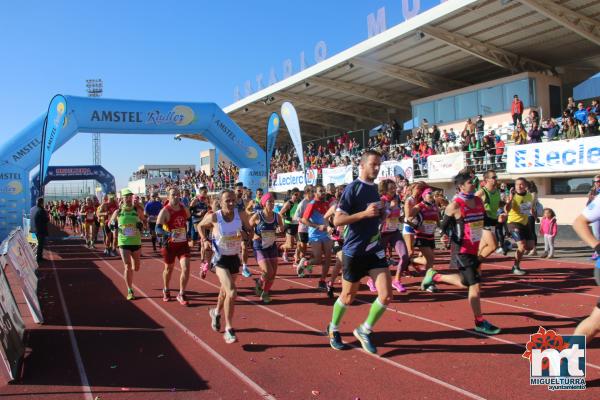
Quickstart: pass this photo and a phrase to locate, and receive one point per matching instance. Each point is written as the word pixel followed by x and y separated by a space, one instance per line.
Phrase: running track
pixel 97 345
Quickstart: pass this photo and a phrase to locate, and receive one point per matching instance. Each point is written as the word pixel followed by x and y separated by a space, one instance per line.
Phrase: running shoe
pixel 130 295
pixel 246 272
pixel 229 336
pixel 258 287
pixel 432 288
pixel 182 300
pixel 284 257
pixel 265 297
pixel 330 290
pixel 398 286
pixel 487 328
pixel 308 268
pixel 335 339
pixel 533 252
pixel 428 279
pixel 215 320
pixel 166 295
pixel 322 286
pixel 203 269
pixel 364 337
pixel 516 270
pixel 371 285
pixel 594 256
pixel 300 267
pixel 106 253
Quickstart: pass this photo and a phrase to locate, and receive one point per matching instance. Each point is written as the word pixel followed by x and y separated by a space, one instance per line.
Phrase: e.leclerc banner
pixel 272 132
pixel 298 179
pixel 55 120
pixel 290 117
pixel 337 176
pixel 559 156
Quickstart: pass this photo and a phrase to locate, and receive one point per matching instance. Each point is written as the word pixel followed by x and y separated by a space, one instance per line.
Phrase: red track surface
pixel 147 349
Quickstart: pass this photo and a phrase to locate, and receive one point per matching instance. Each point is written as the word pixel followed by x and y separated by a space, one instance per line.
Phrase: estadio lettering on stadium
pixel 565 155
pixel 290 180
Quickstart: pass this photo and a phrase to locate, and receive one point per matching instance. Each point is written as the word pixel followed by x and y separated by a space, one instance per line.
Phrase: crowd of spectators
pixel 483 147
pixel 225 176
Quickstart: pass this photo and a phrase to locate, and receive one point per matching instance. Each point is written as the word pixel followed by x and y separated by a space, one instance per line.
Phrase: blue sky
pixel 160 50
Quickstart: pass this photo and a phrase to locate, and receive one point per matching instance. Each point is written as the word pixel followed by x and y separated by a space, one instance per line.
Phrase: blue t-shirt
pixel 362 236
pixel 581 115
pixel 315 213
pixel 153 208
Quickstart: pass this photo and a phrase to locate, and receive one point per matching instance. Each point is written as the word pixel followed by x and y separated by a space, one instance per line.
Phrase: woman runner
pixel 266 224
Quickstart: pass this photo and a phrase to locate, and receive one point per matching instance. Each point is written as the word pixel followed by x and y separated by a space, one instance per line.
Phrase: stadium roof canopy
pixel 453 45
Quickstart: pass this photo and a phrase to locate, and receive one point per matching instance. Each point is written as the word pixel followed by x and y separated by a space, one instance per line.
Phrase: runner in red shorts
pixel 172 225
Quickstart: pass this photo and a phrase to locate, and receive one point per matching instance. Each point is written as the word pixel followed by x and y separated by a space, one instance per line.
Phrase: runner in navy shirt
pixel 361 210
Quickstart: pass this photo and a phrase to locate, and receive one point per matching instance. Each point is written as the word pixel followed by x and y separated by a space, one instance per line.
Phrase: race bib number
pixel 130 231
pixel 230 243
pixel 268 239
pixel 179 235
pixel 476 228
pixel 525 209
pixel 152 218
pixel 429 227
pixel 392 224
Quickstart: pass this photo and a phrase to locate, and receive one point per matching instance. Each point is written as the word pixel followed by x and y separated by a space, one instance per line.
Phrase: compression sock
pixel 376 311
pixel 339 309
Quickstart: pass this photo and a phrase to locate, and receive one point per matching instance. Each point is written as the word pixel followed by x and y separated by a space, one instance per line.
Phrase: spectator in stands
pixel 535 133
pixel 500 145
pixel 569 129
pixel 489 146
pixel 480 126
pixel 571 106
pixel 591 125
pixel 581 114
pixel 519 136
pixel 516 110
pixel 396 132
pixel 552 129
pixel 534 116
pixel 595 108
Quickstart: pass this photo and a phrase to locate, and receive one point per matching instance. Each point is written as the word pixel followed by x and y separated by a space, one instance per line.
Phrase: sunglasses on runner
pixel 493 177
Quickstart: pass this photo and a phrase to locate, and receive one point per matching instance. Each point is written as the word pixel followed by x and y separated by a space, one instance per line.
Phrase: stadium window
pixel 490 100
pixel 466 105
pixel 444 110
pixel 579 185
pixel 425 110
pixel 204 160
pixel 521 89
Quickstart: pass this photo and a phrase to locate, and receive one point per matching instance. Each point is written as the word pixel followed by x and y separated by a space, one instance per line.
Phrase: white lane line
pixel 394 310
pixel 255 386
pixel 85 384
pixel 408 369
pixel 521 283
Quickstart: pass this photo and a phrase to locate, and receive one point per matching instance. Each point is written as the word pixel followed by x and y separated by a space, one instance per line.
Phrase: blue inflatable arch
pixel 74 173
pixel 21 154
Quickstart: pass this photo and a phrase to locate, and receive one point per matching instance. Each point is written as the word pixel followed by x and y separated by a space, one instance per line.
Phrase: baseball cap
pixel 126 191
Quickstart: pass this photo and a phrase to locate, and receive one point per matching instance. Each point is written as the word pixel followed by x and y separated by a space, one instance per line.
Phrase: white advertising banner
pixel 394 168
pixel 557 156
pixel 443 166
pixel 290 180
pixel 337 176
pixel 21 258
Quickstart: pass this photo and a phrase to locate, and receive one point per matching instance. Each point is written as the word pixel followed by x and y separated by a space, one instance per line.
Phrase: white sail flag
pixel 290 117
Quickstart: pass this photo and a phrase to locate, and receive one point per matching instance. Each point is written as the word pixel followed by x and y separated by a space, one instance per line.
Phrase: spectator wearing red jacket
pixel 516 110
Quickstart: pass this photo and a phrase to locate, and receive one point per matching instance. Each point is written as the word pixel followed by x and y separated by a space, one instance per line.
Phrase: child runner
pixel 466 213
